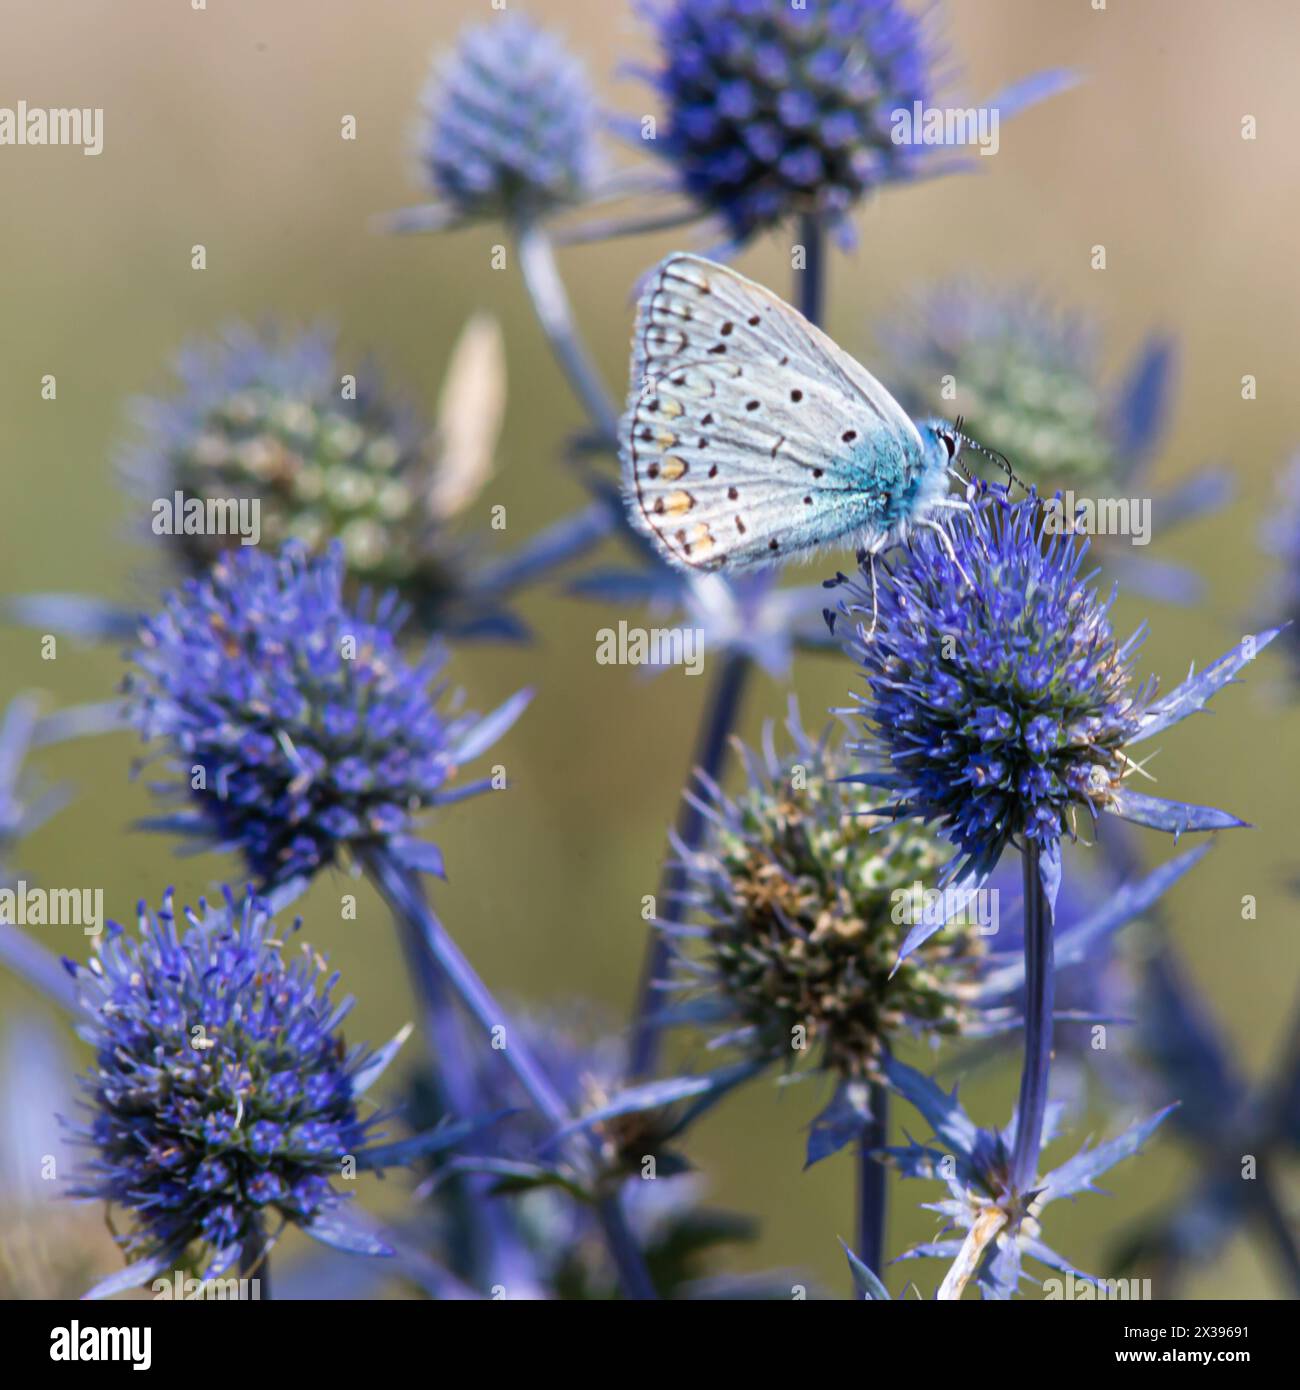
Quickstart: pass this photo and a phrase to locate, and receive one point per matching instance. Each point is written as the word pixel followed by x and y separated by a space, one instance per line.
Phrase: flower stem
pixel 626 1253
pixel 487 1239
pixel 255 1263
pixel 985 1228
pixel 810 287
pixel 710 755
pixel 871 1180
pixel 1040 999
pixel 404 893
pixel 551 305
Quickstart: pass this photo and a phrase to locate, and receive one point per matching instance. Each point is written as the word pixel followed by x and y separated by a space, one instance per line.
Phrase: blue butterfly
pixel 750 436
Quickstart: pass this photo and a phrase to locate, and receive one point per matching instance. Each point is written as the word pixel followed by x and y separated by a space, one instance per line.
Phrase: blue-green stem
pixel 404 893
pixel 871 1180
pixel 255 1263
pixel 482 1228
pixel 810 283
pixel 710 755
pixel 1040 999
pixel 551 305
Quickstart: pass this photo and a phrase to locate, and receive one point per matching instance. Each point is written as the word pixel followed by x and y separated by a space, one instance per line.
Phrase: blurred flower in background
pixel 51 1247
pixel 1025 377
pixel 678 1232
pixel 1243 1135
pixel 326 453
pixel 509 128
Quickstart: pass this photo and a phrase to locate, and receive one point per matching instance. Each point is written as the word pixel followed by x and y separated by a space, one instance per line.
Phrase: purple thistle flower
pixel 776 111
pixel 509 127
pixel 192 1021
pixel 1001 704
pixel 299 731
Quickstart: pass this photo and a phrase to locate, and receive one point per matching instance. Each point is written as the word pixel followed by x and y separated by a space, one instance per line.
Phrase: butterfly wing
pixel 749 435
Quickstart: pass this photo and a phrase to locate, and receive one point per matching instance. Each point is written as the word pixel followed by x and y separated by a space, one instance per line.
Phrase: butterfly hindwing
pixel 749 434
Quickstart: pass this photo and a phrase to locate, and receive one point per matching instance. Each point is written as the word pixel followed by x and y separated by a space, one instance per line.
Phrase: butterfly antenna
pixel 998 457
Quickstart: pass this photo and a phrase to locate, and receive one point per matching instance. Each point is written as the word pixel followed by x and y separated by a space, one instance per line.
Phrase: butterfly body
pixel 750 437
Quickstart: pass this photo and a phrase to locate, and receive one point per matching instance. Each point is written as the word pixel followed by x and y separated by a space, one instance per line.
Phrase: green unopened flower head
pixel 806 902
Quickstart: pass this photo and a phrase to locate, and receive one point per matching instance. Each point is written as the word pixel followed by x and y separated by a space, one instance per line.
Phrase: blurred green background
pixel 222 127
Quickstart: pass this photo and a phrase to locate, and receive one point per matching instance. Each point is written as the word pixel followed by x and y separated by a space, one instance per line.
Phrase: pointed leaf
pixel 1142 406
pixel 343 1229
pixel 492 726
pixel 864 1280
pixel 423 1145
pixel 1019 96
pixel 1079 942
pixel 943 1111
pixel 1049 872
pixel 1076 1174
pixel 845 1118
pixel 1177 817
pixel 1196 690
pixel 133 1275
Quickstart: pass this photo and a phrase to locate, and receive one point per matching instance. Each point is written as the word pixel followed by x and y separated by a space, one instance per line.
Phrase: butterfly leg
pixel 946 541
pixel 871 556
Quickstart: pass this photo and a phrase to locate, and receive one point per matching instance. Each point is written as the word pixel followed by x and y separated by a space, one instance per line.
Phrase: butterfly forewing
pixel 749 434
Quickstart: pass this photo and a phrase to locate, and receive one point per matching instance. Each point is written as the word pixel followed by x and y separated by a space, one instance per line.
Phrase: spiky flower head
pixel 313 449
pixel 223 1098
pixel 509 125
pixel 805 903
pixel 776 110
pixel 1025 377
pixel 999 701
pixel 299 730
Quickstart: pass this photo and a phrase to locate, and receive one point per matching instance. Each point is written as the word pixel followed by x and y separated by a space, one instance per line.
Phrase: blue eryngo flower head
pixel 1001 1223
pixel 1282 536
pixel 271 435
pixel 1026 378
pixel 1000 702
pixel 223 1098
pixel 300 732
pixel 777 110
pixel 509 126
pixel 804 902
